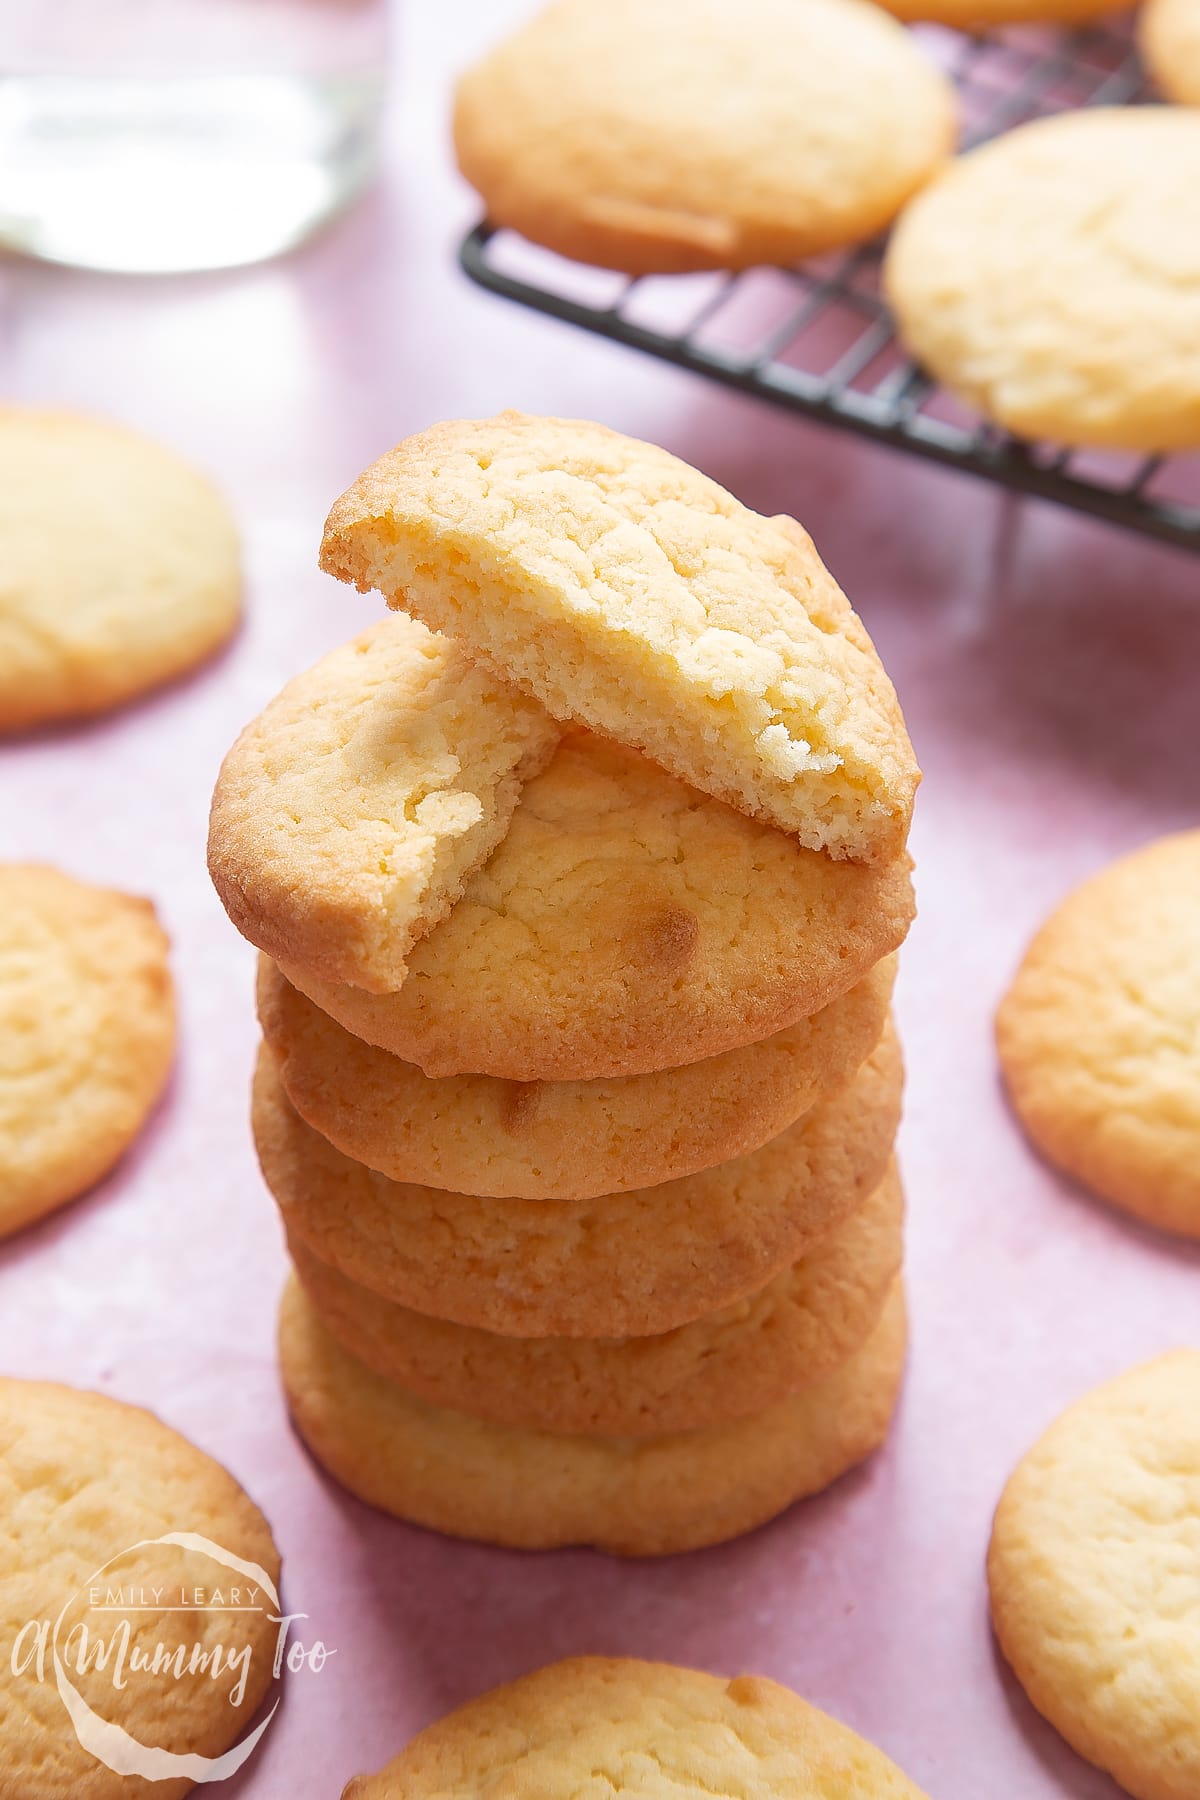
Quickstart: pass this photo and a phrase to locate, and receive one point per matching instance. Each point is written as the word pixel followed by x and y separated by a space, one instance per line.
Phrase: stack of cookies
pixel 578 1088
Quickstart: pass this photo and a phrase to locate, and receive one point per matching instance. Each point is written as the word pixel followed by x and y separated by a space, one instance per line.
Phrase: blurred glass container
pixel 163 135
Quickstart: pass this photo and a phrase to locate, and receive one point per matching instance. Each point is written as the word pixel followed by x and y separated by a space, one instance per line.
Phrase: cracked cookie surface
pixel 1051 278
pixel 630 593
pixel 119 562
pixel 596 1726
pixel 621 1265
pixel 560 1140
pixel 540 1490
pixel 87 1481
pixel 626 924
pixel 1095 1577
pixel 87 1034
pixel 721 1367
pixel 349 815
pixel 1099 1034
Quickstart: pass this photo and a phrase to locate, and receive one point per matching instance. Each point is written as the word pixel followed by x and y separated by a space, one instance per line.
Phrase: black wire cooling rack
pixel 818 338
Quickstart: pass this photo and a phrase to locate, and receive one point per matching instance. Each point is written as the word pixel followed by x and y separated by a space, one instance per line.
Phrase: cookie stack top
pixel 644 804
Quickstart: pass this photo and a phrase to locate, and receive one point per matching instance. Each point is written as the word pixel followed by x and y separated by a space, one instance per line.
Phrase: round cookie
pixel 120 566
pixel 626 924
pixel 1169 40
pixel 1099 1035
pixel 649 1731
pixel 537 1490
pixel 629 593
pixel 625 1265
pixel 560 1140
pixel 349 814
pixel 1094 1572
pixel 656 136
pixel 1051 278
pixel 722 1367
pixel 87 1034
pixel 88 1489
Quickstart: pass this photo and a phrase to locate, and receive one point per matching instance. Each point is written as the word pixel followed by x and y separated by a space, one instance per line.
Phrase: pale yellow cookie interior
pixel 627 924
pixel 664 135
pixel 648 1731
pixel 628 592
pixel 1051 278
pixel 87 1034
pixel 1095 1577
pixel 349 814
pixel 120 562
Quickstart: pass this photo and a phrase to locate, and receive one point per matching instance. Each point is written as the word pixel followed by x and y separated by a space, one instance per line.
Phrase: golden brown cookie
pixel 623 1265
pixel 89 1490
pixel 626 924
pixel 87 1034
pixel 649 1731
pixel 1095 1577
pixel 656 136
pixel 349 814
pixel 560 1140
pixel 535 1490
pixel 1169 40
pixel 1051 278
pixel 630 593
pixel 1099 1034
pixel 119 566
pixel 723 1367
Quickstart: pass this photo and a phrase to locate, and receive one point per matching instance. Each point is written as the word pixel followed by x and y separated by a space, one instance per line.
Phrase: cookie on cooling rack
pixel 663 135
pixel 1052 278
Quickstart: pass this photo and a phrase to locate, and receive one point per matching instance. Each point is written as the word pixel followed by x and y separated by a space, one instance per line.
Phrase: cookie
pixel 625 1265
pixel 1169 40
pixel 118 567
pixel 349 814
pixel 1099 1035
pixel 626 924
pixel 630 593
pixel 537 1490
pixel 1095 1577
pixel 563 1140
pixel 723 1367
pixel 1051 278
pixel 87 1034
pixel 656 136
pixel 594 1725
pixel 89 1489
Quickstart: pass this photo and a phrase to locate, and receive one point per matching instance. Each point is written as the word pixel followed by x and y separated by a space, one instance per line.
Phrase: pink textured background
pixel 1050 670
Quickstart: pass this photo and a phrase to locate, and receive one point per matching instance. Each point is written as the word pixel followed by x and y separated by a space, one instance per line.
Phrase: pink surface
pixel 1050 670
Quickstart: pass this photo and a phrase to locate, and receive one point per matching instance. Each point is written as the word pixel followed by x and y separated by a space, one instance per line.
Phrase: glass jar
pixel 164 135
